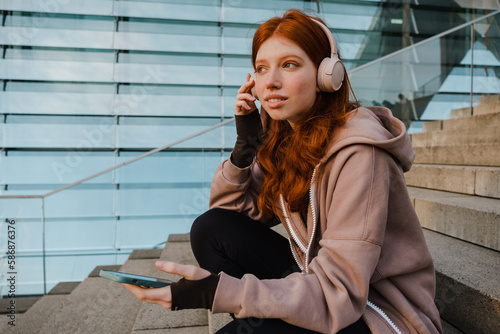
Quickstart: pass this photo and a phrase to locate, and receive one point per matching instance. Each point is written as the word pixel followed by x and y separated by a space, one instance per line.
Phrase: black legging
pixel 231 242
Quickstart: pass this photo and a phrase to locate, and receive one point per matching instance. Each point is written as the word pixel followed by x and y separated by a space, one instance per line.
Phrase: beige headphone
pixel 330 70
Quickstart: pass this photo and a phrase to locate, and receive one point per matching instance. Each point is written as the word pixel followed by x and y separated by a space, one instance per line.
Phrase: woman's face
pixel 285 79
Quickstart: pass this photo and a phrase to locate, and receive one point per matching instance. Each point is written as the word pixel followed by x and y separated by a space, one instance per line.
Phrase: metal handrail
pixel 151 152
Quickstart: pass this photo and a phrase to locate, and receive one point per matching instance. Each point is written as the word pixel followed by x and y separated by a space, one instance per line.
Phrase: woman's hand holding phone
pixel 245 101
pixel 163 296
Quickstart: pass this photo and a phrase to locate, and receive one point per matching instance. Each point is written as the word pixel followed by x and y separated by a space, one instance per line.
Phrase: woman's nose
pixel 273 79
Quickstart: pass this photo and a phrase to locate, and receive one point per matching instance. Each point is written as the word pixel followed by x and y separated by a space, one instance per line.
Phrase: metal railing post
pixel 44 267
pixel 472 38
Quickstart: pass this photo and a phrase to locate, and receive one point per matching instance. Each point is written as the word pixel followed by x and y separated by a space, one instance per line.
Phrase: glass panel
pixel 56 21
pixel 184 105
pixel 86 133
pixel 55 103
pixel 61 54
pixel 347 16
pixel 168 74
pixel 136 206
pixel 54 87
pixel 486 60
pixel 167 11
pixel 428 81
pixel 158 100
pixel 151 26
pixel 156 132
pixel 168 43
pixel 91 7
pixel 52 168
pixel 20 69
pixel 21 262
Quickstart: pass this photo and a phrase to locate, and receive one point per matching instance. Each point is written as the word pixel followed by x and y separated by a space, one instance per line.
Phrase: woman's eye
pixel 289 65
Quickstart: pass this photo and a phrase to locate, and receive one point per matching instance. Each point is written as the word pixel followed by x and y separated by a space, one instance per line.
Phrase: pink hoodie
pixel 361 250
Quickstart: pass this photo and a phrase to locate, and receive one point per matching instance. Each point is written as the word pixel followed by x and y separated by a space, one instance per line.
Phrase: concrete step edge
pixel 489 99
pixel 471 122
pixel 465 122
pixel 76 305
pixel 487 135
pixel 156 318
pixel 116 307
pixel 178 330
pixel 479 109
pixel 217 321
pixel 67 318
pixel 35 317
pixel 470 218
pixel 469 154
pixel 467 294
pixel 471 180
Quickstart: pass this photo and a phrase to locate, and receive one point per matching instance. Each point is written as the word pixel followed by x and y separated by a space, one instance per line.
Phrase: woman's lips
pixel 275 102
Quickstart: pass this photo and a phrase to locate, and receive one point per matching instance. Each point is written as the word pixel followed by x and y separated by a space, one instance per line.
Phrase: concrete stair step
pixel 22 304
pixel 156 319
pixel 63 288
pixel 68 316
pixel 480 109
pixel 179 330
pixel 467 291
pixel 489 99
pixel 471 180
pixel 31 312
pixel 217 321
pixel 96 305
pixel 30 322
pixel 54 313
pixel 469 155
pixel 487 135
pixel 470 122
pixel 470 218
pixel 115 309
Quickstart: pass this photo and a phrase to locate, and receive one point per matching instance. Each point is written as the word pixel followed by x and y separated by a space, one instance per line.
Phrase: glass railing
pixel 428 80
pixel 62 234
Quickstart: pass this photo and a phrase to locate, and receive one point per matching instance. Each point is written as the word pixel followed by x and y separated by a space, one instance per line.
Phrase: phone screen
pixel 152 282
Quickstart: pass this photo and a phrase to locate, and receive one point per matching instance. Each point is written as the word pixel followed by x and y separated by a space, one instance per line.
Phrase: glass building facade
pixel 87 85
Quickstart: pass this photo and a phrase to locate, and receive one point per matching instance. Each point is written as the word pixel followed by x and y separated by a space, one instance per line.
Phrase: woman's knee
pixel 207 222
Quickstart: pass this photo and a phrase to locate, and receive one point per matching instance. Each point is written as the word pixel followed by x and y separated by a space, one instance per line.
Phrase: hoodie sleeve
pixel 334 292
pixel 237 189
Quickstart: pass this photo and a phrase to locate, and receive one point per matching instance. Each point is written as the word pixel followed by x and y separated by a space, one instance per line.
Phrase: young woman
pixel 332 173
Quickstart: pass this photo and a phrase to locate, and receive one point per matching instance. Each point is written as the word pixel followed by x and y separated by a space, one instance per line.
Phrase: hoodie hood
pixel 374 126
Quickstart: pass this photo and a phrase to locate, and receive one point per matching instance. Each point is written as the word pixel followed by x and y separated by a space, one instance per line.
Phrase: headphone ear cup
pixel 330 74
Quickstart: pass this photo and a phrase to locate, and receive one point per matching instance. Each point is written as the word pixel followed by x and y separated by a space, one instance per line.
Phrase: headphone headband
pixel 328 33
pixel 330 70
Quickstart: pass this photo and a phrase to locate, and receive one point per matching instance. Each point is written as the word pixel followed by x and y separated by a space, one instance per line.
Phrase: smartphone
pixel 152 282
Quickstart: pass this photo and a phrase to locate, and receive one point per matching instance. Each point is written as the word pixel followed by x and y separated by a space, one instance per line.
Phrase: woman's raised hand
pixel 245 101
pixel 163 296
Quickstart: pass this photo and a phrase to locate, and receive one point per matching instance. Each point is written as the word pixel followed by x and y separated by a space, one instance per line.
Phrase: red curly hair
pixel 288 157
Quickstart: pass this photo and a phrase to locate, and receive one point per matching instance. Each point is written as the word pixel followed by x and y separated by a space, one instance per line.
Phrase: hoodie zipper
pixel 313 211
pixel 303 248
pixel 383 315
